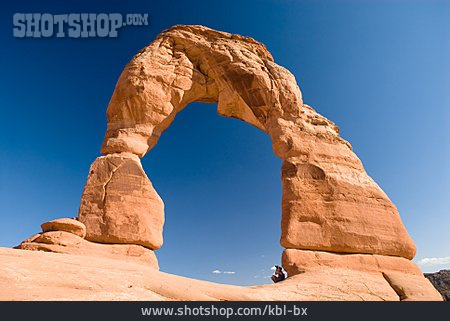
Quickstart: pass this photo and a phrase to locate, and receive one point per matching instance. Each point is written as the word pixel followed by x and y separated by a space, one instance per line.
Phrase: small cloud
pixel 432 261
pixel 262 255
pixel 223 272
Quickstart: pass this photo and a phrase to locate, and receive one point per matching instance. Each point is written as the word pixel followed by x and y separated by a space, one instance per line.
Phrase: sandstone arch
pixel 343 237
pixel 329 203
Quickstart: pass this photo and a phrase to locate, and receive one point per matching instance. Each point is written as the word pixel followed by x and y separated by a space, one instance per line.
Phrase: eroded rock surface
pixel 402 275
pixel 412 287
pixel 120 205
pixel 64 237
pixel 299 261
pixel 329 201
pixel 65 224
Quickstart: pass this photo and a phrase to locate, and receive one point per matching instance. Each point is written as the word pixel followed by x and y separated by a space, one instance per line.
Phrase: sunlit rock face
pixel 329 202
pixel 119 203
pixel 66 236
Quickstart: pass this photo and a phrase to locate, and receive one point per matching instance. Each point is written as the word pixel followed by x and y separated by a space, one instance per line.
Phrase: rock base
pixel 69 241
pixel 400 274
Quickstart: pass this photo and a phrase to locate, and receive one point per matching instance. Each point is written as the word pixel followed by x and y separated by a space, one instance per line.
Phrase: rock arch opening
pixel 220 183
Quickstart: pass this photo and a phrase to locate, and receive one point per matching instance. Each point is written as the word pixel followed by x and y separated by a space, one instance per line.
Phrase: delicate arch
pixel 329 202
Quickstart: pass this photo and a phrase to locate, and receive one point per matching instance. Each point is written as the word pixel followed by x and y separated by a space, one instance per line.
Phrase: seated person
pixel 278 275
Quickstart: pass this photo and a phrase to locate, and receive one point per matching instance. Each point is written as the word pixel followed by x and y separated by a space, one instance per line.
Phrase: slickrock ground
pixel 131 272
pixel 37 275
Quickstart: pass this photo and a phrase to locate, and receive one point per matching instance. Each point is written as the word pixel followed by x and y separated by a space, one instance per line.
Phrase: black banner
pixel 223 310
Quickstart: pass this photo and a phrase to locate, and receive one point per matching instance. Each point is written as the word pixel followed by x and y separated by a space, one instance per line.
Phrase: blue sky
pixel 378 69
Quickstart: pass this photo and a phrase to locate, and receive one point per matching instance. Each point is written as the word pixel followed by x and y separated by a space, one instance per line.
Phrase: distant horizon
pixel 379 70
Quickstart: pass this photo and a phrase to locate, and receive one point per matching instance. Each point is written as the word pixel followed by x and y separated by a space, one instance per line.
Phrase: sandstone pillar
pixel 119 203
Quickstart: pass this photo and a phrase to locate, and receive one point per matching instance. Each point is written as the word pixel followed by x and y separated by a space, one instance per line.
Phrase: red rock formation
pixel 63 236
pixel 344 238
pixel 120 205
pixel 329 201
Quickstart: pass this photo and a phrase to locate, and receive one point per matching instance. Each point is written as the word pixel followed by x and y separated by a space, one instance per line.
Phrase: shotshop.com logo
pixel 74 25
